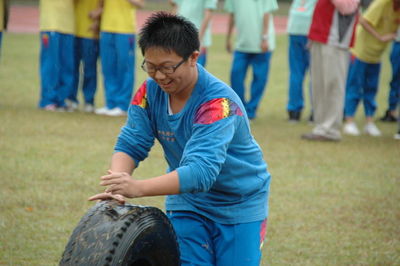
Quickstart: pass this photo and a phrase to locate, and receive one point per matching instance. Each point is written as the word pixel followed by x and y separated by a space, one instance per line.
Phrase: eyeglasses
pixel 152 69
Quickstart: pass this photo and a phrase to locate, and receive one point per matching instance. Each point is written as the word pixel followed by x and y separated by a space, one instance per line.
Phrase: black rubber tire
pixel 114 234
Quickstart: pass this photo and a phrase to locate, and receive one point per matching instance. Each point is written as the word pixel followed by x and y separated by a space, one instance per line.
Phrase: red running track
pixel 25 19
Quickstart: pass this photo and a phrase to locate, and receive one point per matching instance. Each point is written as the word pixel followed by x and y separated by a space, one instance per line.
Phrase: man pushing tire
pixel 217 183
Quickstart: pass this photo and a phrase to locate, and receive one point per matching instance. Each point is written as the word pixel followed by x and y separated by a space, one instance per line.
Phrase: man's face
pixel 173 74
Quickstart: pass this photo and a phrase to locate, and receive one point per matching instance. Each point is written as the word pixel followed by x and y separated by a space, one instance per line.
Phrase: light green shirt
pixel 300 16
pixel 193 10
pixel 249 16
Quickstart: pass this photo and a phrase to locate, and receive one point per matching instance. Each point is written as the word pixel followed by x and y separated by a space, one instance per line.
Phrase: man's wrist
pixel 265 37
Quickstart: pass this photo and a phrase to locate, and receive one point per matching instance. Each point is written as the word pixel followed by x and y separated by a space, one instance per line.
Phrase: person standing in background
pixel 3 18
pixel 300 15
pixel 394 93
pixel 86 52
pixel 377 28
pixel 57 28
pixel 331 34
pixel 1 21
pixel 117 53
pixel 255 42
pixel 199 12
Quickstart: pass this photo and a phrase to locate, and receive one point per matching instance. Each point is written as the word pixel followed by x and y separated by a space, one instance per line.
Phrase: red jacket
pixel 330 27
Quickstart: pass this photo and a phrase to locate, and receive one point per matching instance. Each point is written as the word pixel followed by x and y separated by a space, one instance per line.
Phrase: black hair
pixel 169 32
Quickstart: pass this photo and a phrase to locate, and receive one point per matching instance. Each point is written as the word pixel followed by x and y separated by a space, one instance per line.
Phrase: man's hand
pixel 388 37
pixel 121 183
pixel 264 46
pixel 95 27
pixel 108 196
pixel 228 46
pixel 96 13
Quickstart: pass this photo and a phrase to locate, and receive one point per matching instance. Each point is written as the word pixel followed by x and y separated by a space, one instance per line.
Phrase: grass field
pixel 330 204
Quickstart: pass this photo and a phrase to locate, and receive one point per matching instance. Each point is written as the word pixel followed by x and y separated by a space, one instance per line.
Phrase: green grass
pixel 330 204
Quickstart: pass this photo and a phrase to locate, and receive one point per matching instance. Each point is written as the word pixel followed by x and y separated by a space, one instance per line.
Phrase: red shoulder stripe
pixel 140 97
pixel 215 110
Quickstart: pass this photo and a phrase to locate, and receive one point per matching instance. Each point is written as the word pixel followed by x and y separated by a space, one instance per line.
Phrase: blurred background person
pixel 255 41
pixel 331 34
pixel 117 52
pixel 299 21
pixel 57 28
pixel 394 94
pixel 86 54
pixel 199 12
pixel 377 28
pixel 3 18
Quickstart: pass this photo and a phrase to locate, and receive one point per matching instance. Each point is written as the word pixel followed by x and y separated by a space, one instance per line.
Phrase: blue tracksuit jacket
pixel 222 173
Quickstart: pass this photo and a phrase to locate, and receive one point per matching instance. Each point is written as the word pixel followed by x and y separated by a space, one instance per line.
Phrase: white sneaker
pixel 371 129
pixel 397 136
pixel 88 108
pixel 350 128
pixel 50 107
pixel 101 111
pixel 116 112
pixel 71 106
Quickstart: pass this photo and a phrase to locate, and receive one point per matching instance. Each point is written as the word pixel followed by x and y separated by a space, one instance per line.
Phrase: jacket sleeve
pixel 136 137
pixel 205 153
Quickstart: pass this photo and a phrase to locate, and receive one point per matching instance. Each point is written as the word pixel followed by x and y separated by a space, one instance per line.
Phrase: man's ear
pixel 193 58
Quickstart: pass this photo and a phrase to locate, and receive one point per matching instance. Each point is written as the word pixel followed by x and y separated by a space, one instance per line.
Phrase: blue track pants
pixel 203 242
pixel 260 66
pixel 56 68
pixel 117 52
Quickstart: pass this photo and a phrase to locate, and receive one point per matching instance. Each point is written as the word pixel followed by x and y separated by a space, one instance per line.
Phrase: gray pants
pixel 329 65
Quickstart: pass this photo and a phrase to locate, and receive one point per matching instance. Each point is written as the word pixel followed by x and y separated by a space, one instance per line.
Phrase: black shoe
pixel 311 118
pixel 294 116
pixel 388 117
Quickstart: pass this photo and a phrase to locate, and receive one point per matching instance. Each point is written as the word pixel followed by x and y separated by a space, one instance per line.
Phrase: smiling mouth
pixel 166 84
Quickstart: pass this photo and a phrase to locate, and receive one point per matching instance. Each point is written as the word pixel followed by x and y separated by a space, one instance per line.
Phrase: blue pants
pixel 260 65
pixel 362 84
pixel 203 242
pixel 56 68
pixel 87 52
pixel 299 61
pixel 117 52
pixel 394 94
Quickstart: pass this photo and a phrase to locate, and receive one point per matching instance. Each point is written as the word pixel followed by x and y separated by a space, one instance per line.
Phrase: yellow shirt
pixel 2 15
pixel 384 19
pixel 119 16
pixel 57 15
pixel 82 20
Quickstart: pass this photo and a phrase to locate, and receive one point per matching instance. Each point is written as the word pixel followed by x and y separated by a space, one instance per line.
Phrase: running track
pixel 25 19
